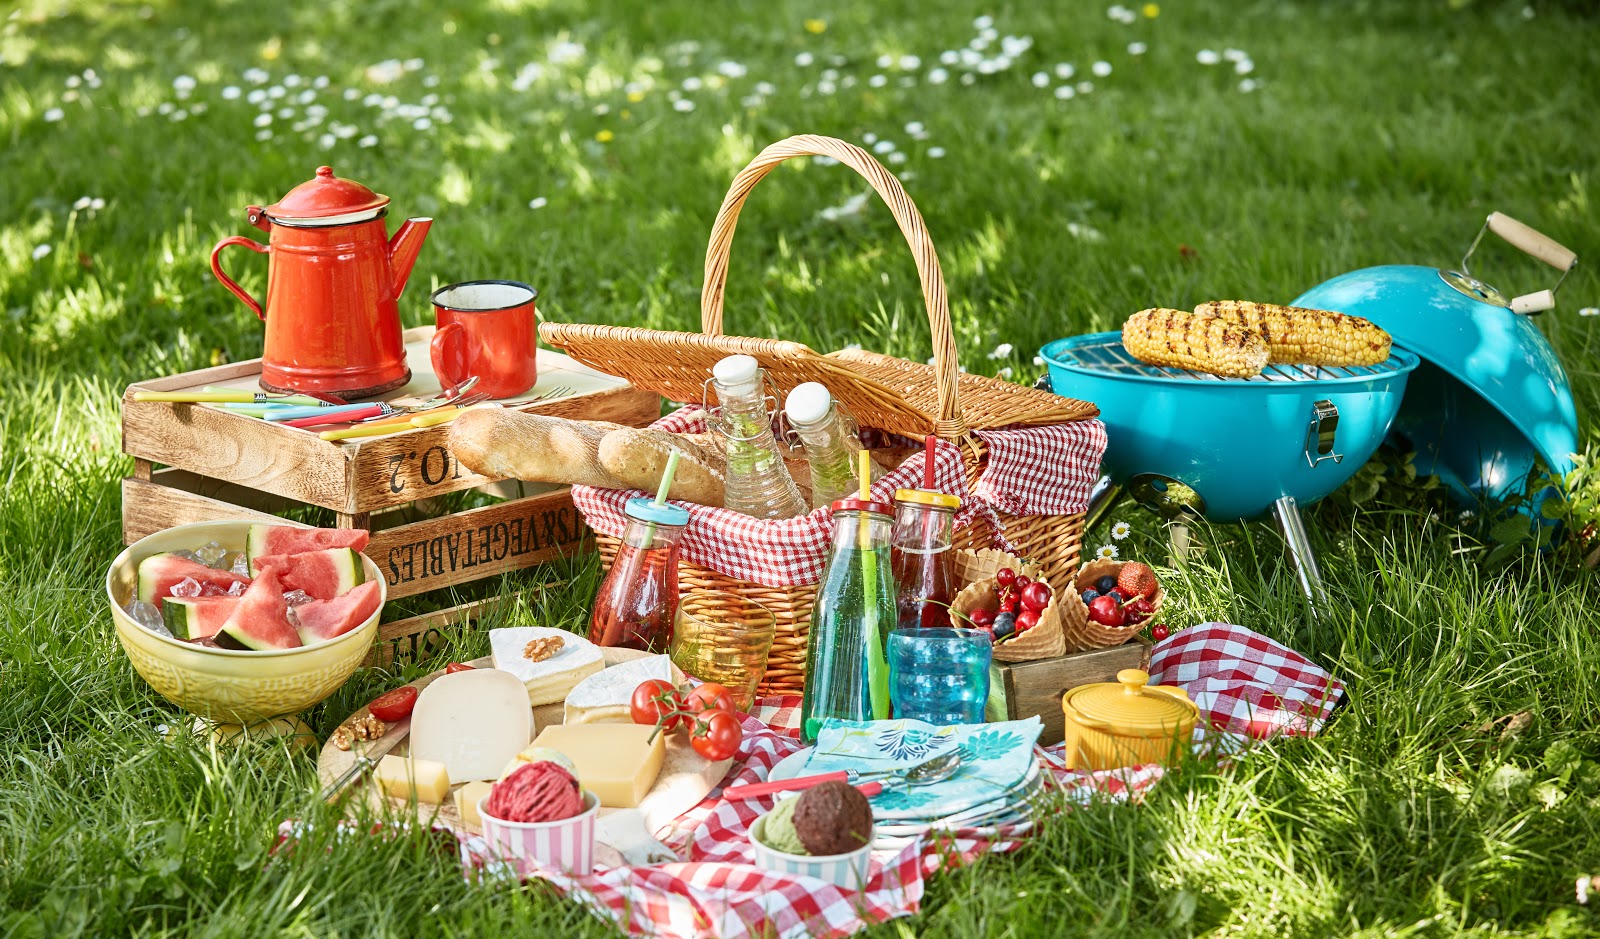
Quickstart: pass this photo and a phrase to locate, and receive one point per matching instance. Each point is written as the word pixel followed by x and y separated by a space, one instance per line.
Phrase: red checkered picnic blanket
pixel 1037 470
pixel 1244 683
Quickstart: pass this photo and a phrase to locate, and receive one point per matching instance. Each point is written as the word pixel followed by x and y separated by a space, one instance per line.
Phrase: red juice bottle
pixel 921 549
pixel 638 600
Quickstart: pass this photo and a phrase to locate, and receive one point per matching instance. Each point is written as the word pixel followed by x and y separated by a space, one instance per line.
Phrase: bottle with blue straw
pixel 847 675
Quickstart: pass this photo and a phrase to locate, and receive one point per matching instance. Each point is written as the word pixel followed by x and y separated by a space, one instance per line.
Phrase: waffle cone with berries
pixel 1083 633
pixel 1046 639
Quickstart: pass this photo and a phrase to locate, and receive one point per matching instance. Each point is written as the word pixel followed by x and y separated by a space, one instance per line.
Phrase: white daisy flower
pixel 292 81
pixel 910 63
pixel 326 141
pixel 1106 552
pixel 74 81
pixel 1248 85
pixel 1121 530
pixel 53 115
pixel 938 76
pixel 422 123
pixel 826 88
pixel 885 61
pixel 1244 67
pixel 731 69
pixel 82 203
pixel 1014 46
pixel 1001 351
pixel 883 146
pixel 935 153
pixel 1235 55
pixel 40 252
pixel 370 140
pixel 1207 57
pixel 1004 373
pixel 1589 311
pixel 1065 70
pixel 264 134
pixel 914 128
pixel 878 81
pixel 1137 48
pixel 683 105
pixel 869 138
pixel 256 96
pixel 231 92
pixel 1101 69
pixel 1041 80
pixel 413 65
pixel 983 22
pixel 321 81
pixel 1065 92
pixel 896 158
pixel 766 88
pixel 1085 87
pixel 804 59
pixel 262 120
pixel 1038 360
pixel 256 76
pixel 693 83
pixel 949 57
pixel 967 78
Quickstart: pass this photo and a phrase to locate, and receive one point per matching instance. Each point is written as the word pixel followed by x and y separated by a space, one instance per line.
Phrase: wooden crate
pixel 1022 689
pixel 220 464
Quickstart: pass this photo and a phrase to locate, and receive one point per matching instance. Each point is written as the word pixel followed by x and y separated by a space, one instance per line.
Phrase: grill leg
pixel 1287 512
pixel 1102 499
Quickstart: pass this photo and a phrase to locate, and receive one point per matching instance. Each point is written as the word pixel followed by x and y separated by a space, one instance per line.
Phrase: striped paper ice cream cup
pixel 565 845
pixel 849 871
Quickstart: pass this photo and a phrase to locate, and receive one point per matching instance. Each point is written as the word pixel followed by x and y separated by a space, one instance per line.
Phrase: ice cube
pixel 296 597
pixel 146 615
pixel 292 616
pixel 186 554
pixel 241 564
pixel 237 588
pixel 211 554
pixel 213 590
pixel 187 587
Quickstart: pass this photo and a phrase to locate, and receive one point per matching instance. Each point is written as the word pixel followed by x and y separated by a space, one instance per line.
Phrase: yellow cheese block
pixel 617 762
pixel 404 778
pixel 467 799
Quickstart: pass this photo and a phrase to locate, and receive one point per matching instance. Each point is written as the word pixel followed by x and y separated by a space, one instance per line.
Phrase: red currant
pixel 1023 581
pixel 1159 632
pixel 1005 577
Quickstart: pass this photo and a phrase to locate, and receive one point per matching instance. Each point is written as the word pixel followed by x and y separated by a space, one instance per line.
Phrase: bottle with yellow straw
pixel 847 675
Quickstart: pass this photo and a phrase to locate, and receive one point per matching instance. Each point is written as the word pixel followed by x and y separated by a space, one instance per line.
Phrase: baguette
pixel 638 456
pixel 511 444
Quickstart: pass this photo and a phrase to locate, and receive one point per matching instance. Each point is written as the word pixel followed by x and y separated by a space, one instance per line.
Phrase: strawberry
pixel 1137 580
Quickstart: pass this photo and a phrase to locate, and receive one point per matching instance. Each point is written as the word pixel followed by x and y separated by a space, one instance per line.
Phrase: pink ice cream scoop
pixel 536 792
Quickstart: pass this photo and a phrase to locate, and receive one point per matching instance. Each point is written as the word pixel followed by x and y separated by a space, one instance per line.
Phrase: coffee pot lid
pixel 325 196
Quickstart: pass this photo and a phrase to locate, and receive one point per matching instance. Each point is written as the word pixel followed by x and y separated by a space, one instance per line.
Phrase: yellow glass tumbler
pixel 724 638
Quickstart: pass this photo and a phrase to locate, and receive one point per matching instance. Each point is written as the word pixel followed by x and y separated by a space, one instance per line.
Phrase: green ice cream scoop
pixel 778 830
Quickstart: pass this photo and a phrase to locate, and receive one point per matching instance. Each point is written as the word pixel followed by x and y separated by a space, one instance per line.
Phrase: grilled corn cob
pixel 1199 343
pixel 1298 336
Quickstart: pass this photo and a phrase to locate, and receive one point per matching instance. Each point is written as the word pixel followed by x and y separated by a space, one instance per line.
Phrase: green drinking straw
pixel 877 677
pixel 661 494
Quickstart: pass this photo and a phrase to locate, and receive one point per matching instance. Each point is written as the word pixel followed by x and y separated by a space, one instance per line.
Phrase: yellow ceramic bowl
pixel 1128 722
pixel 222 684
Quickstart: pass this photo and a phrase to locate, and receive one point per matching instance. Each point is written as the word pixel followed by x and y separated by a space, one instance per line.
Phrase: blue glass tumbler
pixel 939 675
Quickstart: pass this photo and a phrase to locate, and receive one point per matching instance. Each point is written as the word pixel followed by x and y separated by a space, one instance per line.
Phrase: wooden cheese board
pixel 686 778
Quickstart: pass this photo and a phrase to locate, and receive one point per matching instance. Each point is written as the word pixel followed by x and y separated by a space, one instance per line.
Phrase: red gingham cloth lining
pixel 1237 677
pixel 1045 466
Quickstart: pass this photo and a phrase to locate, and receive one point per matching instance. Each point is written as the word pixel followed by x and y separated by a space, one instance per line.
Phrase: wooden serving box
pixel 216 464
pixel 1022 689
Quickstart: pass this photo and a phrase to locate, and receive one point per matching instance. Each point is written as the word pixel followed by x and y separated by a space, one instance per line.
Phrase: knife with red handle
pixel 771 786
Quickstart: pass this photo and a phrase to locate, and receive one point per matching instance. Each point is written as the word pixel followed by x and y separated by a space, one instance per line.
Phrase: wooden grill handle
pixel 946 365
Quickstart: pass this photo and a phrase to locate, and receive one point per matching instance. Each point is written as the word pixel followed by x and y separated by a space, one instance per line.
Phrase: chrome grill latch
pixel 1319 435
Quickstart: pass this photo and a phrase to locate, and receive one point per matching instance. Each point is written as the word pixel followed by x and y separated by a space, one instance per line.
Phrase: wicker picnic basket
pixel 880 391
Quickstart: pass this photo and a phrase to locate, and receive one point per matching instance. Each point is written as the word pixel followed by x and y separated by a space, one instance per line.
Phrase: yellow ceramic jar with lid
pixel 1126 723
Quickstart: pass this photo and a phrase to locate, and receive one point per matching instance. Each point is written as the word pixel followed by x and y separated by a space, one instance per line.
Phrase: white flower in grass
pixel 256 96
pixel 731 69
pixel 989 66
pixel 1085 87
pixel 983 22
pixel 231 92
pixel 1038 360
pixel 74 81
pixel 370 140
pixel 1244 67
pixel 693 83
pixel 1085 232
pixel 292 81
pixel 915 129
pixel 1065 92
pixel 1589 311
pixel 1248 85
pixel 1013 46
pixel 804 59
pixel 538 202
pixel 970 58
pixel 949 57
pixel 1001 351
pixel 883 146
pixel 179 115
pixel 1121 530
pixel 264 134
pixel 938 76
pixel 853 346
pixel 885 61
pixel 422 123
pixel 1207 57
pixel 327 141
pixel 683 105
pixel 40 252
pixel 1041 80
pixel 878 81
pixel 826 88
pixel 82 203
pixel 199 107
pixel 277 91
pixel 166 107
pixel 968 78
pixel 1065 70
pixel 1137 48
pixel 910 63
pixel 286 113
pixel 53 115
pixel 1116 10
pixel 262 120
pixel 869 138
pixel 321 81
pixel 1004 373
pixel 935 153
pixel 1106 552
pixel 1101 69
pixel 413 65
pixel 1235 55
pixel 766 88
pixel 256 76
pixel 183 84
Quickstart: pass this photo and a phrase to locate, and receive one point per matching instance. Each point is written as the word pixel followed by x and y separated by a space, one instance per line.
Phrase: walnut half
pixel 537 650
pixel 362 728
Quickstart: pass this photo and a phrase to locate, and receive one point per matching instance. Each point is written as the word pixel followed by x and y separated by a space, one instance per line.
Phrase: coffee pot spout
pixel 403 249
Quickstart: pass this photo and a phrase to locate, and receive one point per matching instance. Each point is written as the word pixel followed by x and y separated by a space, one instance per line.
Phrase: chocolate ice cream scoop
pixel 833 818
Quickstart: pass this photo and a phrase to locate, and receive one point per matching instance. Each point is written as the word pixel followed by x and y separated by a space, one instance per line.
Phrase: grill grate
pixel 1110 357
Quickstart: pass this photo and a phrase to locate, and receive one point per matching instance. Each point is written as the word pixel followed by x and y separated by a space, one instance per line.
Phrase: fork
pixel 382 410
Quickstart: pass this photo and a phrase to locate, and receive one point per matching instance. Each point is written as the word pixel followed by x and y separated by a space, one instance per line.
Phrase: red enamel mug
pixel 487 329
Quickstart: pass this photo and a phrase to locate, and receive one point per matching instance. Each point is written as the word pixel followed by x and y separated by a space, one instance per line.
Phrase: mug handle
pixel 228 282
pixel 449 356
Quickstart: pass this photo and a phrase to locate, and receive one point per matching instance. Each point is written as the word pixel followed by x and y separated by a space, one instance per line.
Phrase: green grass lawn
pixel 584 147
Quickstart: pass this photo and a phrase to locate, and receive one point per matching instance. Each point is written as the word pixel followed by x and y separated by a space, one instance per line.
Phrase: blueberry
pixel 1089 595
pixel 1106 584
pixel 1004 625
pixel 1117 595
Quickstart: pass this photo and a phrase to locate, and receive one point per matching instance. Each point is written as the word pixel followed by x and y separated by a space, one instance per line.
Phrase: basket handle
pixel 946 366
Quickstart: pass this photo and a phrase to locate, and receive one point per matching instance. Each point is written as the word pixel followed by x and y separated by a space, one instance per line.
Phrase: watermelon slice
pixel 260 621
pixel 197 617
pixel 267 540
pixel 159 573
pixel 321 574
pixel 321 620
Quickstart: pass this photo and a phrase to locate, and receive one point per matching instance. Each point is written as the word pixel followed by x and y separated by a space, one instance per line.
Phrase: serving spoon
pixel 936 769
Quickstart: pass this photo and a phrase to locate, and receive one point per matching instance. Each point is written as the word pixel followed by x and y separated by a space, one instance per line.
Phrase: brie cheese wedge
pixel 603 698
pixel 548 680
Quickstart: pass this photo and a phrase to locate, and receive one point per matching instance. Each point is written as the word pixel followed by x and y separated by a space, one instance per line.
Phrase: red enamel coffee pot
pixel 334 277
